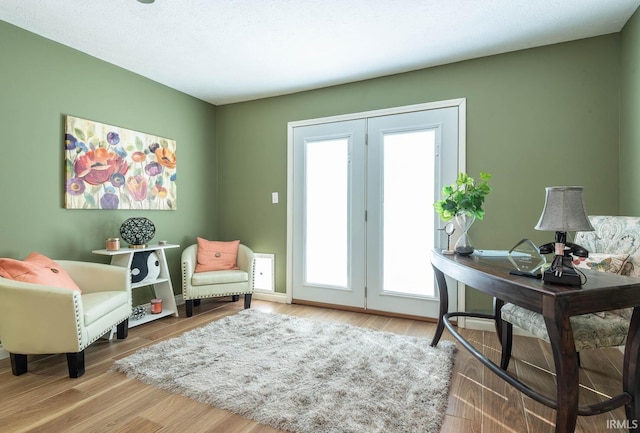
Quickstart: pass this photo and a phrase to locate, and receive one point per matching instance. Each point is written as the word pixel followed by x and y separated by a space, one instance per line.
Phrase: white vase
pixel 464 245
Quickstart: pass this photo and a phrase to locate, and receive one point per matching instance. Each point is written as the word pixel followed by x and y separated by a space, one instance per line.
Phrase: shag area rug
pixel 304 376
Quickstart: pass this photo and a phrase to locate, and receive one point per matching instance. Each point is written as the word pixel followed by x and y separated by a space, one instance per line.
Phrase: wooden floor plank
pixel 502 405
pixel 531 366
pixel 453 424
pixel 465 392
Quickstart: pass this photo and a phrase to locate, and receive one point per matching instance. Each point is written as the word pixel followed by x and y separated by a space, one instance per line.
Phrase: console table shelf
pixel 161 286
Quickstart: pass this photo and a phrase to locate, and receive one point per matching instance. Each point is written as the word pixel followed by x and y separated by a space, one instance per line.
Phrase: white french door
pixel 361 193
pixel 328 229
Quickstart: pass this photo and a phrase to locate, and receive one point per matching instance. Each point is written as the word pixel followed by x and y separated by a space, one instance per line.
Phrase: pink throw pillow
pixel 37 269
pixel 216 255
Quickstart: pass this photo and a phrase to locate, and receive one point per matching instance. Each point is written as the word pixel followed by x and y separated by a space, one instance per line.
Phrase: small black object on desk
pixel 536 275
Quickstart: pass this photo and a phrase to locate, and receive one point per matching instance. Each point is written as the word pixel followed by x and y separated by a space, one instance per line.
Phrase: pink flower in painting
pixel 97 166
pixel 137 187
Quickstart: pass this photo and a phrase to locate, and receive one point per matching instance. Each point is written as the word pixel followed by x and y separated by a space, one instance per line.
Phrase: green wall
pixel 42 81
pixel 535 118
pixel 629 115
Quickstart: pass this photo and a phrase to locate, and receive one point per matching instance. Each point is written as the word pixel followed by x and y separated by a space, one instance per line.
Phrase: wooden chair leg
pixel 196 302
pixel 75 362
pixel 506 342
pixel 123 330
pixel 247 300
pixel 18 363
pixel 234 298
pixel 189 307
pixel 497 316
pixel 578 355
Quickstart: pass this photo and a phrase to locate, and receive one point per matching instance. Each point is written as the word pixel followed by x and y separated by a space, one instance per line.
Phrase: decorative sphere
pixel 137 231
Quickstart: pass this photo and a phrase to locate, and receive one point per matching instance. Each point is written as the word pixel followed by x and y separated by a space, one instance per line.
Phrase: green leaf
pixel 91 129
pixel 68 166
pixel 465 196
pixel 80 134
pixel 89 199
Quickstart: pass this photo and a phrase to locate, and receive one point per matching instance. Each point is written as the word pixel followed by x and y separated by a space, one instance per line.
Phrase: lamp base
pixel 568 277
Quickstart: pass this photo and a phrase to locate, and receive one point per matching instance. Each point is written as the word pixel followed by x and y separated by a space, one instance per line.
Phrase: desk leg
pixel 566 362
pixel 631 371
pixel 444 304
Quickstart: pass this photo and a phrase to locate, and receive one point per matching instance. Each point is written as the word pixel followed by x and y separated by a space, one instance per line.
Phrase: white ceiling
pixel 225 51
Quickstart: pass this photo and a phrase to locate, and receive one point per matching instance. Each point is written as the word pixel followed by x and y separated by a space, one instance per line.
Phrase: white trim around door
pixel 460 104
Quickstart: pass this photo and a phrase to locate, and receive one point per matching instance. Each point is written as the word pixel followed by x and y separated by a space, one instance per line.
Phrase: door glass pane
pixel 326 212
pixel 408 216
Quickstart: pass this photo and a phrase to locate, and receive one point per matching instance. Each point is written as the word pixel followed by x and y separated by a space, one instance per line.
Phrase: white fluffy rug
pixel 304 376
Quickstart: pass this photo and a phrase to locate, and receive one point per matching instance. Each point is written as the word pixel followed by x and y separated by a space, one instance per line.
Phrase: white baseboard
pixel 480 324
pixel 272 297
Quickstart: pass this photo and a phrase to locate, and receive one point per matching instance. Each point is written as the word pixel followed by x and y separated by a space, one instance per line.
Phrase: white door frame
pixel 460 103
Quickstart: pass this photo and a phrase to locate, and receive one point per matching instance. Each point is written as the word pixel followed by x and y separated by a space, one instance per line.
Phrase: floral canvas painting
pixel 108 167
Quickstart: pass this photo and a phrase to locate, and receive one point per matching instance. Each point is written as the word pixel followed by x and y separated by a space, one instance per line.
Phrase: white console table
pixel 162 285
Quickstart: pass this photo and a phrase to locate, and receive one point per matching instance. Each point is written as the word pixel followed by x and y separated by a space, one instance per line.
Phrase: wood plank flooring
pixel 46 400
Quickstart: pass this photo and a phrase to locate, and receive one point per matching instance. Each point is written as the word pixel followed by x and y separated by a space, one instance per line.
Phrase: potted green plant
pixel 463 201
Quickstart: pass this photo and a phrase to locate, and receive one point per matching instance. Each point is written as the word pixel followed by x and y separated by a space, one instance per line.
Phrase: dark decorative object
pixel 145 266
pixel 137 231
pixel 138 313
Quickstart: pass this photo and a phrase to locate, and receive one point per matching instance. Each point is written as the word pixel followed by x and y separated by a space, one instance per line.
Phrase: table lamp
pixel 563 212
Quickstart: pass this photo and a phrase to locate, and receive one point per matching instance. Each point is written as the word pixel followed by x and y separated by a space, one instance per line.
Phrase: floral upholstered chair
pixel 614 246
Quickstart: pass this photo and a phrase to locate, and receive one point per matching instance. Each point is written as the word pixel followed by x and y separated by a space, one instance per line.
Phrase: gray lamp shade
pixel 564 210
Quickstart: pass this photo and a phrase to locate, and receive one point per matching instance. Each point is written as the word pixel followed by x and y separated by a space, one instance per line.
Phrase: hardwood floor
pixel 46 400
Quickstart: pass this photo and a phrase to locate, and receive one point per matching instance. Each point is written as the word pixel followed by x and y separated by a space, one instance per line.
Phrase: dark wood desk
pixel 603 291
